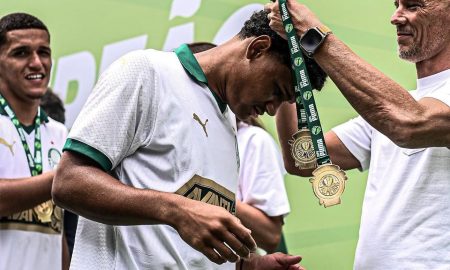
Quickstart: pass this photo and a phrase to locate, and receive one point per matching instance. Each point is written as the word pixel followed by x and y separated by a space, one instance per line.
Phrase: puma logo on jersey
pixel 196 118
pixel 10 146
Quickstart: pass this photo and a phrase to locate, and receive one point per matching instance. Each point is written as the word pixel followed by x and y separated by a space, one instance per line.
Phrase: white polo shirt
pixel 153 123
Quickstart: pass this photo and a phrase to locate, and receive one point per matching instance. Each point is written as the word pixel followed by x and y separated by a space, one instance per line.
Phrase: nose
pixel 35 61
pixel 398 17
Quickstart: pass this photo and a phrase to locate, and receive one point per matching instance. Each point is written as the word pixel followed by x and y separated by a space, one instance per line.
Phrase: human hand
pixel 275 261
pixel 213 231
pixel 302 17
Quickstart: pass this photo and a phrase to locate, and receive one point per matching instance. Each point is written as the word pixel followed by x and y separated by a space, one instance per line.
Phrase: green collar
pixel 44 117
pixel 194 70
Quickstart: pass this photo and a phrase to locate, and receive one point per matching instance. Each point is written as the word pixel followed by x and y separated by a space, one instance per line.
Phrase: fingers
pixel 229 247
pixel 240 246
pixel 290 260
pixel 270 7
pixel 213 256
pixel 244 235
pixel 225 252
pixel 215 232
pixel 235 242
pixel 274 18
pixel 296 267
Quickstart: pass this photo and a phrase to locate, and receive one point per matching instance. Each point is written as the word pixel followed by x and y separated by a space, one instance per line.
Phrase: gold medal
pixel 57 218
pixel 44 211
pixel 328 184
pixel 302 150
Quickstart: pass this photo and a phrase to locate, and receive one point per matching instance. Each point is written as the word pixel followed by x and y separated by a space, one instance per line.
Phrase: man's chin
pixel 36 94
pixel 411 54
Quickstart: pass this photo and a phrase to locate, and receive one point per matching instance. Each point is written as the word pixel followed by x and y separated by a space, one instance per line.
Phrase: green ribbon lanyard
pixel 304 98
pixel 35 164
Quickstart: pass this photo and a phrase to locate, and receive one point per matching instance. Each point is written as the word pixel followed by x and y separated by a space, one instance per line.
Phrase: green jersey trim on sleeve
pixel 88 151
pixel 192 67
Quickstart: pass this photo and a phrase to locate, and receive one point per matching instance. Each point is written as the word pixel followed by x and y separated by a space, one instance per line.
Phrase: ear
pixel 258 46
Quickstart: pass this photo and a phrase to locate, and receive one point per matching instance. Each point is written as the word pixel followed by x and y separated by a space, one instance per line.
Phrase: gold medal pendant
pixel 44 211
pixel 328 184
pixel 302 150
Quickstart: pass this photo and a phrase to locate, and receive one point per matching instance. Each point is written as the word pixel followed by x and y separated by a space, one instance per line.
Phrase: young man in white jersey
pixel 262 200
pixel 30 149
pixel 151 163
pixel 402 137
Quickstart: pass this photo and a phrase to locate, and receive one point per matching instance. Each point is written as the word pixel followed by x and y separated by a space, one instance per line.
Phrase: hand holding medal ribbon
pixel 308 145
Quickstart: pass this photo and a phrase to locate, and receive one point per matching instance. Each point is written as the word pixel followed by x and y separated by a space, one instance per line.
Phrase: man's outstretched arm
pixel 382 102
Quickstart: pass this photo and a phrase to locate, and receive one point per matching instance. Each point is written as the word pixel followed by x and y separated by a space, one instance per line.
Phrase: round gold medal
pixel 302 150
pixel 328 184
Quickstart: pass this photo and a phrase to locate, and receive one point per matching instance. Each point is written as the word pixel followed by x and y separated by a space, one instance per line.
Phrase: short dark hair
pixel 17 21
pixel 258 25
pixel 53 106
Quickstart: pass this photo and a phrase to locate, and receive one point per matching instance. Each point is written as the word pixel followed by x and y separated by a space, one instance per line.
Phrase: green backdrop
pixel 326 238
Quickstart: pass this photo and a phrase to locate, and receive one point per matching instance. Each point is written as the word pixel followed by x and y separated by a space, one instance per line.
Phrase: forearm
pixel 383 103
pixel 286 122
pixel 21 194
pixel 265 230
pixel 83 188
pixel 88 191
pixel 386 105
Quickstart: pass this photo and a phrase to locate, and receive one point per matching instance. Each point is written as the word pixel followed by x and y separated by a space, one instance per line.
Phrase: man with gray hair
pixel 401 137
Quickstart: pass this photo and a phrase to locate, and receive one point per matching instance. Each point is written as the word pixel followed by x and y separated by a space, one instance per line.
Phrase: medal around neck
pixel 302 150
pixel 328 183
pixel 328 180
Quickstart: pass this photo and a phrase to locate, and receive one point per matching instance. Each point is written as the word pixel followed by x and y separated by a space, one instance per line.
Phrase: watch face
pixel 311 40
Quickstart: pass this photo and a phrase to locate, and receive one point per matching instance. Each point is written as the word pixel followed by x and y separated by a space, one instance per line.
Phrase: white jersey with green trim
pixel 30 239
pixel 157 127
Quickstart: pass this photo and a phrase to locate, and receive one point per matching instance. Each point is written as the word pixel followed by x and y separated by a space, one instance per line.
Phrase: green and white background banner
pixel 87 36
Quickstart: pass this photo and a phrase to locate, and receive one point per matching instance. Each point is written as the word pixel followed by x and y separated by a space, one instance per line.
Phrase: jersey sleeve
pixel 261 179
pixel 120 113
pixel 356 135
